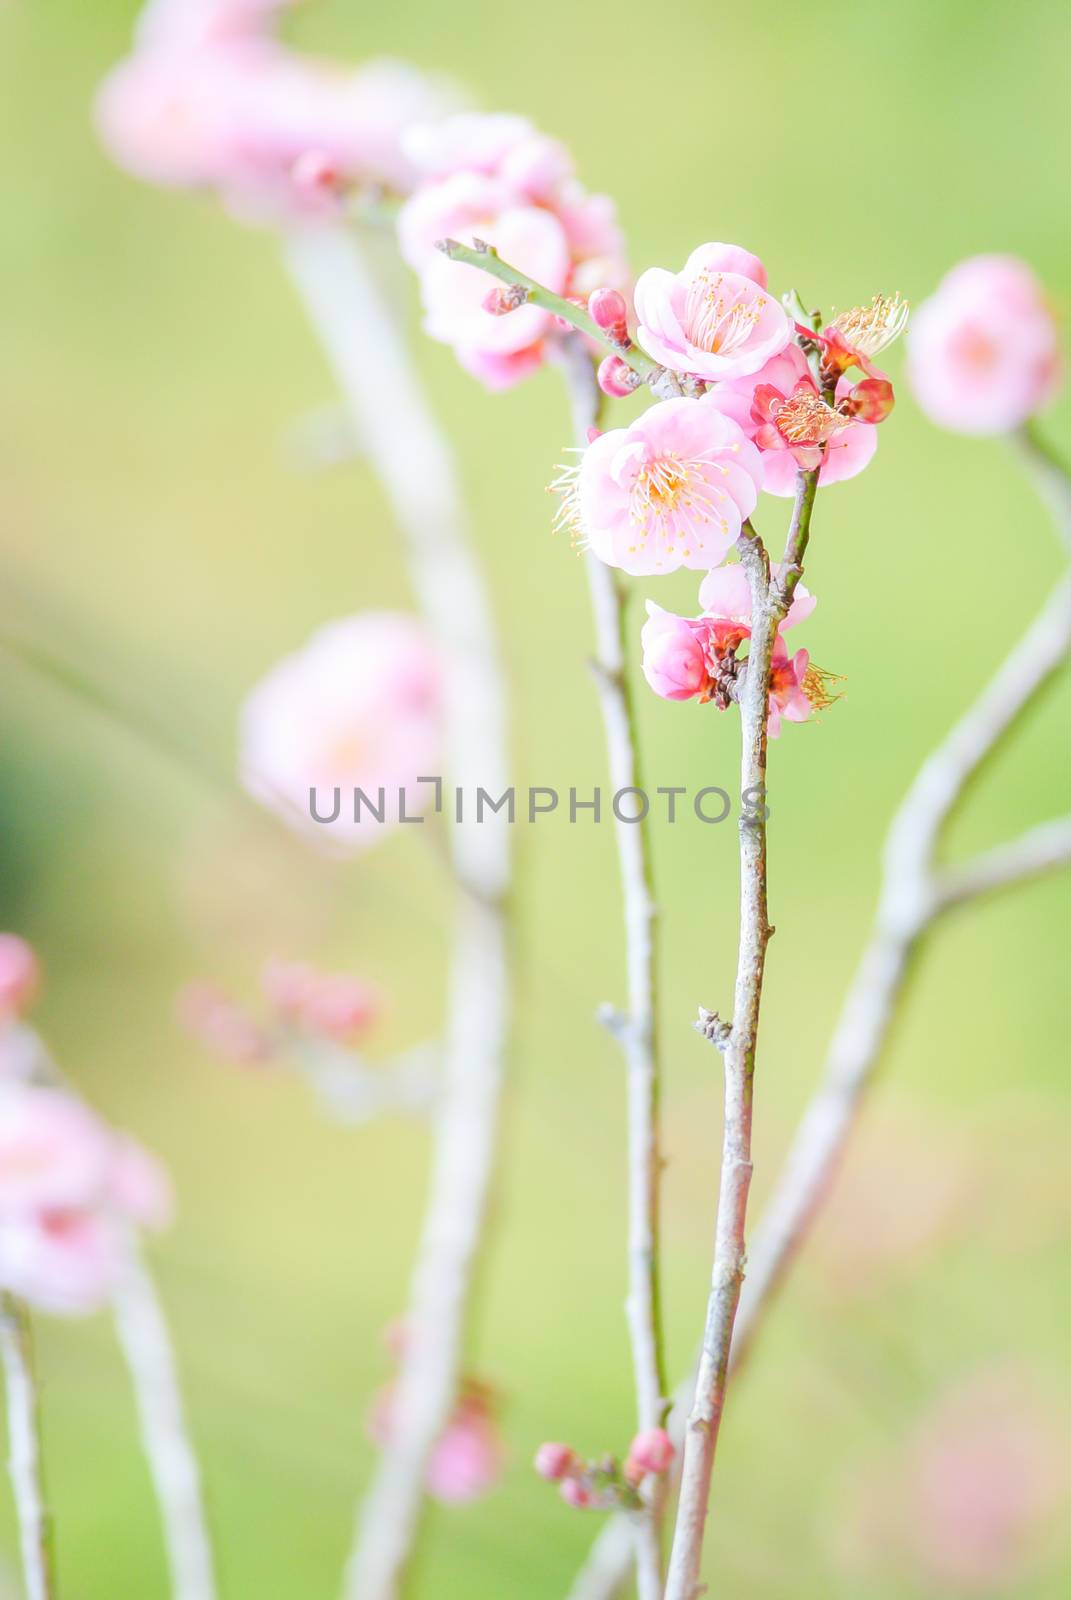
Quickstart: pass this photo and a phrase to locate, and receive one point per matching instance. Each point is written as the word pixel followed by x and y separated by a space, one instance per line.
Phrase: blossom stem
pixel 915 893
pixel 367 353
pixel 769 603
pixel 150 1358
pixel 636 1031
pixel 24 1458
pixel 488 259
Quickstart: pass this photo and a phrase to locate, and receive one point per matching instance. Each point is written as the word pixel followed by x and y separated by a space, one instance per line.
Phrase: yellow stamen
pixel 816 686
pixel 716 319
pixel 804 418
pixel 567 487
pixel 870 329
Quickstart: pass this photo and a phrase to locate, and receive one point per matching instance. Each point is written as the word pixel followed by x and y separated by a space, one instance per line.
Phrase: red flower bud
pixel 616 377
pixel 610 313
pixel 870 400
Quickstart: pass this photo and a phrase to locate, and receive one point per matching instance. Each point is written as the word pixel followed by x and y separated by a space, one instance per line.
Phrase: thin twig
pixel 636 1031
pixel 146 1345
pixel 367 353
pixel 914 894
pixel 24 1457
pixel 768 607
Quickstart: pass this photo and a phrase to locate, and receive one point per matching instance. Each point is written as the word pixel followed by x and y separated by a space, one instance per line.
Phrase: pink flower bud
pixel 505 298
pixel 610 313
pixel 674 654
pixel 616 378
pixel 576 1493
pixel 20 975
pixel 650 1452
pixel 220 1025
pixel 870 400
pixel 555 1461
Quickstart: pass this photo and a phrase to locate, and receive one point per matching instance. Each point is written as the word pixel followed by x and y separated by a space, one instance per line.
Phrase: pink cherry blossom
pixel 359 707
pixel 790 694
pixel 675 654
pixel 468 206
pixel 216 102
pixel 68 1187
pixel 712 320
pixel 335 1004
pixel 497 179
pixel 468 1458
pixel 672 489
pixel 20 976
pixel 725 596
pixel 984 351
pixel 54 1153
pixel 781 411
pixel 209 1015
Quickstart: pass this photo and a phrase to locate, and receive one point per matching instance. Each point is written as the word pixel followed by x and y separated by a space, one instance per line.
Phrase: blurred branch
pixel 635 1031
pixel 915 891
pixel 367 353
pixel 24 1458
pixel 146 1345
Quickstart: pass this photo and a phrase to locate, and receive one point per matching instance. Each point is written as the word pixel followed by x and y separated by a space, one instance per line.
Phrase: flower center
pixel 718 319
pixel 869 329
pixel 804 418
pixel 817 686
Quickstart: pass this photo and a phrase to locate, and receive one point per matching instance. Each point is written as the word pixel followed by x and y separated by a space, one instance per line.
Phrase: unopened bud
pixel 616 377
pixel 555 1461
pixel 502 300
pixel 610 313
pixel 650 1452
pixel 576 1493
pixel 870 400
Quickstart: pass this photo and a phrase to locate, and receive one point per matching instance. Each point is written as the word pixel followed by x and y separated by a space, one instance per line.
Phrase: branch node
pixel 714 1028
pixel 614 1021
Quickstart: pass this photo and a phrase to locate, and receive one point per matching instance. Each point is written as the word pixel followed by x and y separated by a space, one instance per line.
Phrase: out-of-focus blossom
pixel 468 1459
pixel 69 1186
pixel 209 99
pixel 671 490
pixel 499 180
pixel 358 708
pixel 650 1453
pixel 223 1027
pixel 984 350
pixel 20 976
pixel 782 412
pixel 973 1502
pixel 715 318
pixel 334 1004
pixel 555 1461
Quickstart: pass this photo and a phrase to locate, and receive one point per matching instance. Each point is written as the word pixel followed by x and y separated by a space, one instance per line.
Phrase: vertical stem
pixel 24 1458
pixel 638 1030
pixel 768 606
pixel 146 1345
pixel 367 353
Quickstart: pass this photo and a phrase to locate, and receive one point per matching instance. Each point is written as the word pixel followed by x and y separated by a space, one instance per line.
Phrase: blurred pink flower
pixel 714 318
pixel 68 1187
pixel 222 1026
pixel 209 99
pixel 975 1499
pixel 20 976
pixel 671 490
pixel 984 351
pixel 332 1003
pixel 358 707
pixel 650 1452
pixel 555 1461
pixel 468 1459
pixel 497 178
pixel 781 411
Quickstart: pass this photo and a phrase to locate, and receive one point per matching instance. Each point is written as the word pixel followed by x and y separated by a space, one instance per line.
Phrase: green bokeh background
pixel 156 532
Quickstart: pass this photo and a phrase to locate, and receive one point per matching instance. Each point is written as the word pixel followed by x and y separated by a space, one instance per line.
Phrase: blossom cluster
pixel 209 98
pixel 605 1483
pixel 71 1187
pixel 304 1001
pixel 499 180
